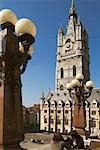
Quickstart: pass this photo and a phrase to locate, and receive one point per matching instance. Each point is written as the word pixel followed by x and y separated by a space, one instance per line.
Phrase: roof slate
pixel 64 96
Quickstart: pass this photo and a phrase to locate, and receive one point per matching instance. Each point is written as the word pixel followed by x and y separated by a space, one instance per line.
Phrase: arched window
pixel 62 73
pixel 74 70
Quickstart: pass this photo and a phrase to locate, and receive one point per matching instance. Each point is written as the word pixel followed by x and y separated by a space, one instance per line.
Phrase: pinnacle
pixel 72 9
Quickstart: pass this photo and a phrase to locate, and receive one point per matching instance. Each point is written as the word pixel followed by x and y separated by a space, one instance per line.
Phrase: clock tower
pixel 72 51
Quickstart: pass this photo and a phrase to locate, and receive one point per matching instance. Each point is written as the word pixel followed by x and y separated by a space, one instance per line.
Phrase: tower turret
pixel 42 98
pixel 60 36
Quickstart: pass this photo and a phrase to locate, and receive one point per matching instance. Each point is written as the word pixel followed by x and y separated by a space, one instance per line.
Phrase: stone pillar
pixel 79 116
pixel 1 113
pixel 11 117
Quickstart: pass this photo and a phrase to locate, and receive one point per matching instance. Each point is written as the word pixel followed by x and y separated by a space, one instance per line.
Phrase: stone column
pixel 79 116
pixel 11 117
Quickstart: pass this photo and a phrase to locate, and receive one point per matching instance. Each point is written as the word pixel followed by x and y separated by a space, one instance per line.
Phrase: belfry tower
pixel 72 51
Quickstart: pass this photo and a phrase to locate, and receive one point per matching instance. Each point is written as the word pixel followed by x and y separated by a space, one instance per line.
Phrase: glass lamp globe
pixel 69 86
pixel 25 25
pixel 75 83
pixel 79 76
pixel 89 84
pixel 7 15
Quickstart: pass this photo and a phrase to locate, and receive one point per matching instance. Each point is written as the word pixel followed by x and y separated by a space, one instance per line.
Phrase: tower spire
pixel 72 9
pixel 42 94
pixel 60 29
pixel 73 4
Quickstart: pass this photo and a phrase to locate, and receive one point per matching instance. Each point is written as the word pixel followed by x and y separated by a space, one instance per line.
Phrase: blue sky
pixel 48 15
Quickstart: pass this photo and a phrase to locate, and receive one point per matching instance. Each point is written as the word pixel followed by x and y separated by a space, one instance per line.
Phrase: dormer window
pixel 65 94
pixel 93 104
pixel 67 105
pixel 66 111
pixel 51 94
pixel 59 111
pixel 53 103
pixel 57 94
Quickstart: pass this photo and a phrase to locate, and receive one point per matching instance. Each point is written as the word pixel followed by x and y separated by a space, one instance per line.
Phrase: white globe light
pixel 79 76
pixel 69 86
pixel 75 83
pixel 25 25
pixel 7 15
pixel 89 84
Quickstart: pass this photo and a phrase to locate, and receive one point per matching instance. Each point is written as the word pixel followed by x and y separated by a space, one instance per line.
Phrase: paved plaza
pixel 28 144
pixel 46 138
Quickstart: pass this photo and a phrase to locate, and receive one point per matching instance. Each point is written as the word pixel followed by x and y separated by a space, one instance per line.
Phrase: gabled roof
pixel 59 96
pixel 94 95
pixel 34 108
pixel 64 96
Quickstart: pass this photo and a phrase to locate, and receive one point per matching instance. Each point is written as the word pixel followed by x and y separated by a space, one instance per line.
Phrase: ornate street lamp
pixel 79 92
pixel 16 38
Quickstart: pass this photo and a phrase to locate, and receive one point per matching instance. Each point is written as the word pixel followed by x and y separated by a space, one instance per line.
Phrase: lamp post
pixel 79 92
pixel 16 38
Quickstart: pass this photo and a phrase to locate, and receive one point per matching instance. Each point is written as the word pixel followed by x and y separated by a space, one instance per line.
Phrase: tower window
pixel 74 71
pixel 62 73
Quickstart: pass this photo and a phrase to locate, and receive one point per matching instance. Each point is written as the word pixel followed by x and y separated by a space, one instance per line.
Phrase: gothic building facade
pixel 56 109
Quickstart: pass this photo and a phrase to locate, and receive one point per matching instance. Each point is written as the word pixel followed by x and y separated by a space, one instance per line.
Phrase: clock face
pixel 68 45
